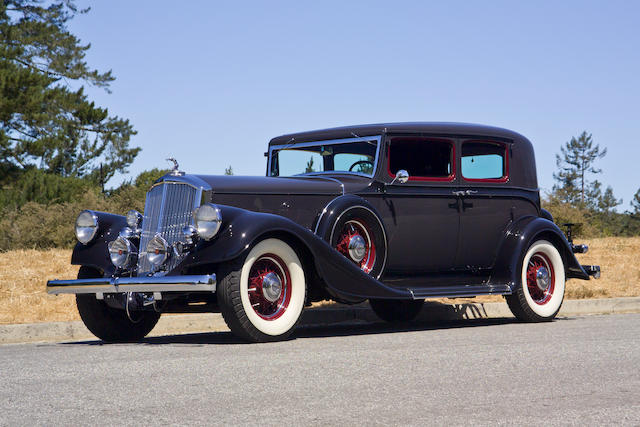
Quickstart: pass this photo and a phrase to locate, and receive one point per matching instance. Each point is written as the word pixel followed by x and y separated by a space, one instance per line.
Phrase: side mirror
pixel 402 176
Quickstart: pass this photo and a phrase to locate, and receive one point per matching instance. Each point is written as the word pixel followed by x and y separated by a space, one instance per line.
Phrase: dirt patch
pixel 23 275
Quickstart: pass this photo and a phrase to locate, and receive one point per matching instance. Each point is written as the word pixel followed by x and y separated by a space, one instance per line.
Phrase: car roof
pixel 435 128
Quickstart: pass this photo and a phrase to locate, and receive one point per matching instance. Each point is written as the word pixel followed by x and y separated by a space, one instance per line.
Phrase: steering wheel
pixel 360 162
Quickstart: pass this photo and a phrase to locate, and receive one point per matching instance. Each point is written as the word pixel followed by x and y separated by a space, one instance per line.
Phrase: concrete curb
pixel 213 322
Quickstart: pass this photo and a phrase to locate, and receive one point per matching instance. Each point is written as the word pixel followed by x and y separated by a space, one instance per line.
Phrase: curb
pixel 213 322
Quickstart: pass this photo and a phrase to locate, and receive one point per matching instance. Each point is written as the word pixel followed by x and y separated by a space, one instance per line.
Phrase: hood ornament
pixel 175 171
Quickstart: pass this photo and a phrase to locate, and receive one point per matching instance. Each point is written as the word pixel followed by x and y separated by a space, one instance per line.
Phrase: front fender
pixel 95 253
pixel 242 229
pixel 516 242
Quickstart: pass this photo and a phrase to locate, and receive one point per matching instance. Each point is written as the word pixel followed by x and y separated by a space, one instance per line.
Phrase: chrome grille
pixel 168 208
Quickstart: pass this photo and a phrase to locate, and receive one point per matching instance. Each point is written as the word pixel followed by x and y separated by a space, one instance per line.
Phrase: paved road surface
pixel 573 371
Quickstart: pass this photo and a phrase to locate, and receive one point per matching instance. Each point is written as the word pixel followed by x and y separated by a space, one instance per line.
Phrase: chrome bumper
pixel 205 282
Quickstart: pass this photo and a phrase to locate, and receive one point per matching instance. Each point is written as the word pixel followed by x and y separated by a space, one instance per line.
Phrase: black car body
pixel 392 213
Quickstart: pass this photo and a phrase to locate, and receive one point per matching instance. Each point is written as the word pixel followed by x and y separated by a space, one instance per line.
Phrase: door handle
pixel 470 192
pixel 458 193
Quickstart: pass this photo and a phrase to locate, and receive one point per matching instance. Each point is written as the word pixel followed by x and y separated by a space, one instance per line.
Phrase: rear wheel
pixel 111 324
pixel 539 295
pixel 396 310
pixel 261 298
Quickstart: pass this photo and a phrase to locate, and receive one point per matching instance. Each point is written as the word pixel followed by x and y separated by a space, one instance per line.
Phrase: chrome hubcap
pixel 271 287
pixel 542 278
pixel 357 248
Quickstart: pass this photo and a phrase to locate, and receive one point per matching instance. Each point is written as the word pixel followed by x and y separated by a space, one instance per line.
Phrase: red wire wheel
pixel 540 278
pixel 356 242
pixel 269 287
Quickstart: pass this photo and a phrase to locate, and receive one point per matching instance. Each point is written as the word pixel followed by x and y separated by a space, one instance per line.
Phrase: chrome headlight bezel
pixel 86 226
pixel 121 252
pixel 134 219
pixel 157 251
pixel 208 220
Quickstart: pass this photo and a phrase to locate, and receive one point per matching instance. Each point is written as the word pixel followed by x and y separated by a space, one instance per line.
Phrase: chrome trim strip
pixel 192 283
pixel 191 180
pixel 377 138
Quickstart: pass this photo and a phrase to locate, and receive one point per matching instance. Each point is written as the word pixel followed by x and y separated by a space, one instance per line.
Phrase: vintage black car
pixel 390 213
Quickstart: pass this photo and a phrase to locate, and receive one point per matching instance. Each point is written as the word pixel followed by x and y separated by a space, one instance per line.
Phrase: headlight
pixel 120 252
pixel 86 226
pixel 157 251
pixel 134 219
pixel 208 220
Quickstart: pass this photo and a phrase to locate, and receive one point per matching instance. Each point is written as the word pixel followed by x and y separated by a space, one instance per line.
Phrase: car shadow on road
pixel 318 331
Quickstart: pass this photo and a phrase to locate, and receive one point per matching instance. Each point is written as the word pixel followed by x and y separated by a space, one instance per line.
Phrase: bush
pixel 48 222
pixel 590 222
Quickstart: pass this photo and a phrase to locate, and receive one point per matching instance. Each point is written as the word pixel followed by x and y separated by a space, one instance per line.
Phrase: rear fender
pixel 516 242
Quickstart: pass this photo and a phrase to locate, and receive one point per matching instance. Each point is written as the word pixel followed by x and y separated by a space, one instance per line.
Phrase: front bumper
pixel 193 283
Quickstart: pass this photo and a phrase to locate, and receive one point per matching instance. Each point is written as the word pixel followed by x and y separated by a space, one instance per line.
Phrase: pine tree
pixel 228 171
pixel 309 167
pixel 605 202
pixel 575 162
pixel 635 203
pixel 46 120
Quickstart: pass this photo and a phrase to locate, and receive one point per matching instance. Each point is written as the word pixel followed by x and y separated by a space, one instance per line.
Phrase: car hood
pixel 310 184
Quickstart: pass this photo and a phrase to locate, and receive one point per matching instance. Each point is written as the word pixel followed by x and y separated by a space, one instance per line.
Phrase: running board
pixel 459 291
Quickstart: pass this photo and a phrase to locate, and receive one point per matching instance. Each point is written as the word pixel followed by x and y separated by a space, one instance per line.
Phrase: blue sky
pixel 211 82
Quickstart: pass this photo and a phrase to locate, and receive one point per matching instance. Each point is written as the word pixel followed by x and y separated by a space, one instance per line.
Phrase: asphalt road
pixel 574 371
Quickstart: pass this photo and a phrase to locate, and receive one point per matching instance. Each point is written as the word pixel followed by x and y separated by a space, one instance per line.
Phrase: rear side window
pixel 426 159
pixel 484 161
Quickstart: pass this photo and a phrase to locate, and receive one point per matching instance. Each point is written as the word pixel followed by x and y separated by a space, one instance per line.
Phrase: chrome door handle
pixel 470 192
pixel 458 193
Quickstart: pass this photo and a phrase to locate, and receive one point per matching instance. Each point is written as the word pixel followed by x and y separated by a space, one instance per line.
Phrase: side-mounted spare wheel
pixel 539 295
pixel 112 324
pixel 358 235
pixel 261 297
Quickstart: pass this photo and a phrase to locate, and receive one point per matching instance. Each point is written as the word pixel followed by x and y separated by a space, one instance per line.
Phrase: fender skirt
pixel 520 235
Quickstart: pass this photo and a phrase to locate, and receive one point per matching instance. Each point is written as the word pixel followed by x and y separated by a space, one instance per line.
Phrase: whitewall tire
pixel 539 295
pixel 261 298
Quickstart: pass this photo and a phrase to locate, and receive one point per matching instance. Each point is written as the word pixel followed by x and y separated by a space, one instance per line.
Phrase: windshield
pixel 355 156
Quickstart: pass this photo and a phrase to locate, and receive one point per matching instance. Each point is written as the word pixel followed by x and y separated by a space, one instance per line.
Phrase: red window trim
pixel 452 175
pixel 504 178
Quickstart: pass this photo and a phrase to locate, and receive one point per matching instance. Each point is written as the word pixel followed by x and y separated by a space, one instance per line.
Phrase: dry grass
pixel 618 259
pixel 23 274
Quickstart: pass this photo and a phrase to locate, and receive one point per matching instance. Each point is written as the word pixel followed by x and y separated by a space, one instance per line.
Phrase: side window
pixel 484 161
pixel 426 159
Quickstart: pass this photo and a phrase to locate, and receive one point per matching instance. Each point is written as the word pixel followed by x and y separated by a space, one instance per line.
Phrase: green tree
pixel 228 171
pixel 575 161
pixel 46 120
pixel 635 203
pixel 309 167
pixel 601 201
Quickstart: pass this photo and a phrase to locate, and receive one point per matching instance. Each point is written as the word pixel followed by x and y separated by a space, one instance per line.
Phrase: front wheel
pixel 112 324
pixel 108 323
pixel 261 298
pixel 539 295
